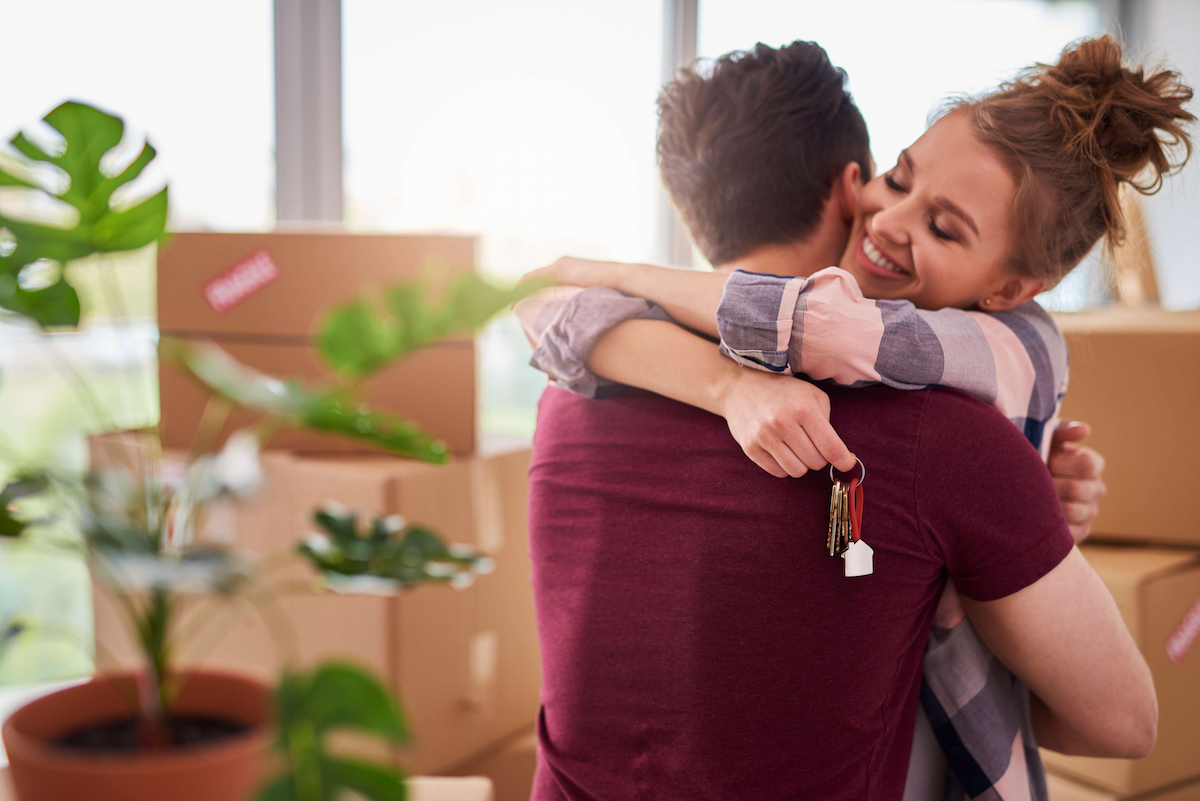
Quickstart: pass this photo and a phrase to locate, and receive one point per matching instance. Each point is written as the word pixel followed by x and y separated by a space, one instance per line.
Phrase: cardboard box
pixel 510 768
pixel 464 663
pixel 1063 789
pixel 1135 376
pixel 442 788
pixel 261 297
pixel 1158 593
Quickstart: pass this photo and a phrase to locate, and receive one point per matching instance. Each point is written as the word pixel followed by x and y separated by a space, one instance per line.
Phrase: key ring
pixel 862 479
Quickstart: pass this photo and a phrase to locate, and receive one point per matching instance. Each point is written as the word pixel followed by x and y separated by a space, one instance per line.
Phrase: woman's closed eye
pixel 945 236
pixel 938 232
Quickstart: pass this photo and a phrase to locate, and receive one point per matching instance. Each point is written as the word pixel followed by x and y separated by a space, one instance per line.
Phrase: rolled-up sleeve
pixel 824 328
pixel 563 325
pixel 755 319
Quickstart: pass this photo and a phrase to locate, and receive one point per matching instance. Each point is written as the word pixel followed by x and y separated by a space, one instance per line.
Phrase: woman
pixel 997 201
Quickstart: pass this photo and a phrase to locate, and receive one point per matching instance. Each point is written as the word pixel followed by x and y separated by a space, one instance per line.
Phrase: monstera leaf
pixel 368 333
pixel 308 706
pixel 97 226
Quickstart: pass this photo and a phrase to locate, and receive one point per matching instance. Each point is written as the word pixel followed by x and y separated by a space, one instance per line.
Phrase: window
pixel 531 123
pixel 904 59
pixel 199 78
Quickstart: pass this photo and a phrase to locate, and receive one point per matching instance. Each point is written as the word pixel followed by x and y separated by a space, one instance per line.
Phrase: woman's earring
pixel 987 301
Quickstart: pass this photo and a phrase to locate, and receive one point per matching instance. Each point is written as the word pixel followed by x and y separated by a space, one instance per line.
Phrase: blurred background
pixel 530 123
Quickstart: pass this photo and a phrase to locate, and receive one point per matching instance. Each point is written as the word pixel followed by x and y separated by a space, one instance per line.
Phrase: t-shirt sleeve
pixel 984 499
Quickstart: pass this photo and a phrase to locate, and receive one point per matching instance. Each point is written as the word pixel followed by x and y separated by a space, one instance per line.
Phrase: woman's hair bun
pixel 1122 120
pixel 1071 134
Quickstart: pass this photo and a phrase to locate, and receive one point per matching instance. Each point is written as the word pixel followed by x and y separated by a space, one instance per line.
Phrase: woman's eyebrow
pixel 953 208
pixel 945 202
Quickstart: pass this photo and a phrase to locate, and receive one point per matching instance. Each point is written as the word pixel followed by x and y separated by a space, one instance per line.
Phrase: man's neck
pixel 820 249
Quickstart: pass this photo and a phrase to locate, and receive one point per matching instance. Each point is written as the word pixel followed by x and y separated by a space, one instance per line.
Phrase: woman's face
pixel 935 229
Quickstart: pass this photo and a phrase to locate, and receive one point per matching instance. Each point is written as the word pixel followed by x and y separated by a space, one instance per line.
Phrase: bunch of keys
pixel 845 524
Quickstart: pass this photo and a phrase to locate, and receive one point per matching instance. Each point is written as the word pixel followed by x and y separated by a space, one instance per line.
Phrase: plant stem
pixel 212 420
pixel 113 292
pixel 86 393
pixel 153 628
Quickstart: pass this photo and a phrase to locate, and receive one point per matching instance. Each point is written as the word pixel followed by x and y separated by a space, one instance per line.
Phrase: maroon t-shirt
pixel 698 641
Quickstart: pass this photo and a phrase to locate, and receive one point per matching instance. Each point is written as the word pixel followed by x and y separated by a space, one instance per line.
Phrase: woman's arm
pixel 782 423
pixel 825 328
pixel 690 297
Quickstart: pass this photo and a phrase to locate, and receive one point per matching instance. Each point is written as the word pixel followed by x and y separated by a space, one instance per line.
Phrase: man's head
pixel 751 146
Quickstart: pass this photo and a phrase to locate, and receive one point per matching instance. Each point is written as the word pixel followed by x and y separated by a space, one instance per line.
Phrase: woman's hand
pixel 570 271
pixel 1077 473
pixel 782 424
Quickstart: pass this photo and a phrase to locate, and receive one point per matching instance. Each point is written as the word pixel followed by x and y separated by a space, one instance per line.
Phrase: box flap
pixel 1133 565
pixel 223 284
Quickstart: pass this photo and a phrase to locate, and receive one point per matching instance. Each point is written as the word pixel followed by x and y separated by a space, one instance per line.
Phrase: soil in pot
pixel 123 735
pixel 226 768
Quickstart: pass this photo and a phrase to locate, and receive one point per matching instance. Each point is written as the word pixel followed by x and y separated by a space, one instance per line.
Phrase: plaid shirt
pixel 824 328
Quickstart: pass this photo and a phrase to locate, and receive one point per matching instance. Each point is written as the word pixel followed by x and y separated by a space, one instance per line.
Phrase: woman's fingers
pixel 1072 460
pixel 766 461
pixel 785 457
pixel 818 432
pixel 1078 512
pixel 1087 490
pixel 801 444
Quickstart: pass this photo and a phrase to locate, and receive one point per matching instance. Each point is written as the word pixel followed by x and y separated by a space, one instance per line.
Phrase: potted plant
pixel 202 734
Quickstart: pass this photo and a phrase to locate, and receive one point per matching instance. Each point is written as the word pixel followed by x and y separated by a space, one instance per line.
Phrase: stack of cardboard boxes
pixel 464 662
pixel 1135 376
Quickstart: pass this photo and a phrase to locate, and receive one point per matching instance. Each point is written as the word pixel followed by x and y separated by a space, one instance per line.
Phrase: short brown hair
pixel 749 146
pixel 1072 133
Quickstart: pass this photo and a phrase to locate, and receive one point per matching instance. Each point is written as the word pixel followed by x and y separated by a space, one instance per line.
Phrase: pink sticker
pixel 1185 634
pixel 241 281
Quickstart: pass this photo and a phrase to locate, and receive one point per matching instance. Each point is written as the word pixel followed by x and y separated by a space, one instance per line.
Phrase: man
pixel 695 644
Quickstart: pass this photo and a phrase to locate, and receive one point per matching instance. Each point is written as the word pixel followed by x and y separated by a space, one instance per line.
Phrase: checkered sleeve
pixel 823 327
pixel 563 324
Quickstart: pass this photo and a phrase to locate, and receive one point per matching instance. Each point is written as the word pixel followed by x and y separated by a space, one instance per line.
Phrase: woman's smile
pixel 872 259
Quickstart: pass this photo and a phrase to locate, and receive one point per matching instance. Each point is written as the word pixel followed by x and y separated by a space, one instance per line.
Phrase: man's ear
pixel 1011 293
pixel 847 188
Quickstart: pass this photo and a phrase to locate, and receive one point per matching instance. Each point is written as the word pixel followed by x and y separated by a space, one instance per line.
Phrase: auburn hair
pixel 749 146
pixel 1072 133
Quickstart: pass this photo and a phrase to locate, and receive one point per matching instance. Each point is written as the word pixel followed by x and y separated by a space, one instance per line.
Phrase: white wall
pixel 1170 30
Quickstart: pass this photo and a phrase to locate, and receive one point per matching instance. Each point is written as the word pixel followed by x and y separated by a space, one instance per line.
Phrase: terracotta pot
pixel 227 770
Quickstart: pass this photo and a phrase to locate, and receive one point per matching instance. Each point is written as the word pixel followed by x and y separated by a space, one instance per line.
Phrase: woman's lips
pixel 867 264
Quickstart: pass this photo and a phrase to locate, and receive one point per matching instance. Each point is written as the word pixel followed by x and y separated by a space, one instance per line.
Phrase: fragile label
pixel 241 281
pixel 1185 634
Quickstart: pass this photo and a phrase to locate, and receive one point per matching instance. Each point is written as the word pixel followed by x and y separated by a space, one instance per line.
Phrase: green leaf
pixel 355 338
pixel 322 411
pixel 277 789
pixel 338 416
pixel 368 333
pixel 55 305
pixel 134 227
pixel 375 782
pixel 343 696
pixel 87 135
pixel 308 706
pixel 12 523
pixel 229 378
pixel 385 557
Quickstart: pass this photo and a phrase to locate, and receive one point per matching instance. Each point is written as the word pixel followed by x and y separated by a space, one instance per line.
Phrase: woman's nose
pixel 891 224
